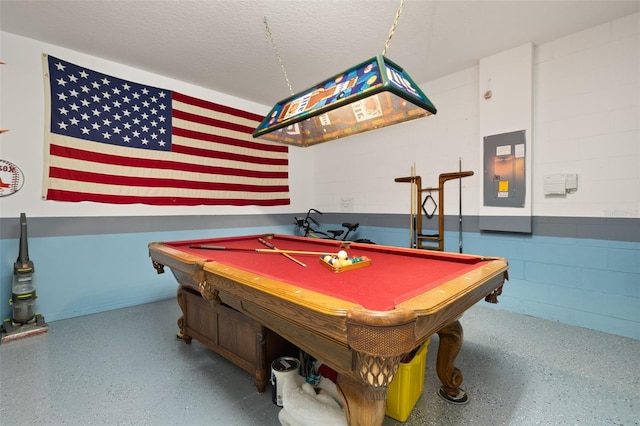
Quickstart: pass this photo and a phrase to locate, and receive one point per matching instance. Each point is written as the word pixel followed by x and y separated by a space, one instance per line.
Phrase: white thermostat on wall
pixel 560 183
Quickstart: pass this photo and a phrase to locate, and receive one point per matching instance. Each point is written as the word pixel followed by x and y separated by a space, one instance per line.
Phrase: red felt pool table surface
pixel 394 276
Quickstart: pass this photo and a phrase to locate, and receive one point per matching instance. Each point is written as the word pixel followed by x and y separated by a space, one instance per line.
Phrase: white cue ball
pixel 342 254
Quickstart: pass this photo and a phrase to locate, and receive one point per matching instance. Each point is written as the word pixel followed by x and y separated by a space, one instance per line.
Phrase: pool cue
pixel 460 205
pixel 412 209
pixel 271 246
pixel 225 248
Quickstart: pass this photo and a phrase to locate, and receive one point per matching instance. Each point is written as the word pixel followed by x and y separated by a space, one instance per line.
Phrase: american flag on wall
pixel 108 140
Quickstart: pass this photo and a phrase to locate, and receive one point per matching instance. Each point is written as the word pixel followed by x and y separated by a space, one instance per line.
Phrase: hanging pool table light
pixel 373 94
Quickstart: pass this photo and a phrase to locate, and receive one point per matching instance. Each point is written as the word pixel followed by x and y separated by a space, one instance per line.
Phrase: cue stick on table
pixel 271 246
pixel 225 248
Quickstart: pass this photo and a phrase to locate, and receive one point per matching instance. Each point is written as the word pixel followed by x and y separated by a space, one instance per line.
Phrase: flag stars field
pixel 97 89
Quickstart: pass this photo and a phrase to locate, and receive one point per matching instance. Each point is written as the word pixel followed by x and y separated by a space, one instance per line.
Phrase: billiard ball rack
pixel 338 267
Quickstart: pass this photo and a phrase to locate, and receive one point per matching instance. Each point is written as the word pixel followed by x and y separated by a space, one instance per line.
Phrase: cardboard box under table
pixel 405 389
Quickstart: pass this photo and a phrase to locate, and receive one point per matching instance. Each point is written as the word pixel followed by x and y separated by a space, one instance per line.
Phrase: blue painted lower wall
pixel 589 283
pixel 81 275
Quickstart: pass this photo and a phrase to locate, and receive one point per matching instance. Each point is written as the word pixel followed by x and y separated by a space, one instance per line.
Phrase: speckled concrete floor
pixel 125 367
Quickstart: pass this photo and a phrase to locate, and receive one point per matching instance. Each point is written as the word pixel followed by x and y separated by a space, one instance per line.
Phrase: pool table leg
pixel 451 337
pixel 363 405
pixel 183 308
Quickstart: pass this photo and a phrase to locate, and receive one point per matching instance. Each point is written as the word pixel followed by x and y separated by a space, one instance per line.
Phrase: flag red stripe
pixel 105 179
pixel 210 137
pixel 79 154
pixel 60 195
pixel 218 155
pixel 216 107
pixel 208 121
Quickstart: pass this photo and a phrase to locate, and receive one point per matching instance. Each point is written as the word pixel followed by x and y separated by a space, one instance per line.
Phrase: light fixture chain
pixel 393 28
pixel 275 49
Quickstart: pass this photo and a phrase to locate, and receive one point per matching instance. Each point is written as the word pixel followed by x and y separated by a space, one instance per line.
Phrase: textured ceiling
pixel 222 45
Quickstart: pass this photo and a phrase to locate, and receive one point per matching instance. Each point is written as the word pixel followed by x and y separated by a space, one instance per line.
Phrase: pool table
pixel 359 321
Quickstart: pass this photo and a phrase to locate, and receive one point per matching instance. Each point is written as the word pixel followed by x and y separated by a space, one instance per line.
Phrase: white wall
pixel 22 107
pixel 508 75
pixel 586 120
pixel 363 167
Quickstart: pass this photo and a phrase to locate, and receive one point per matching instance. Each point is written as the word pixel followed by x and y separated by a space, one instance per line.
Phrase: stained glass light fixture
pixel 373 94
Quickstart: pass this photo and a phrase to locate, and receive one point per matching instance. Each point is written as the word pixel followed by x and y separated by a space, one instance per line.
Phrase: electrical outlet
pixel 346 204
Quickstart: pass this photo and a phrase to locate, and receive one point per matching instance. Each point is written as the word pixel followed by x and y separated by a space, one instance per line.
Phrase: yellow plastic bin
pixel 407 385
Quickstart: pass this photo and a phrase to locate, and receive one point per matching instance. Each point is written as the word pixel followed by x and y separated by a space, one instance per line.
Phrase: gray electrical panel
pixel 504 169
